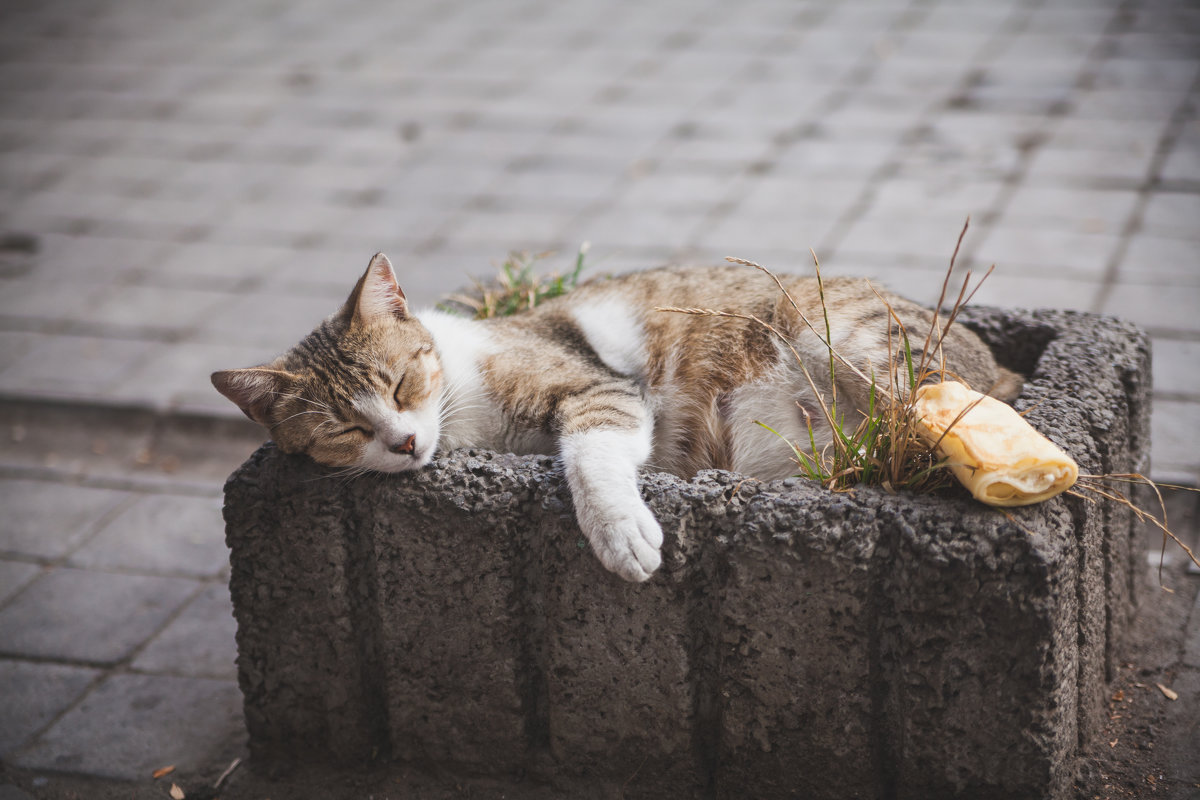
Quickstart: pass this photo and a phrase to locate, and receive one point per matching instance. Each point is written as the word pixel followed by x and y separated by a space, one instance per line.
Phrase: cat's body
pixel 599 378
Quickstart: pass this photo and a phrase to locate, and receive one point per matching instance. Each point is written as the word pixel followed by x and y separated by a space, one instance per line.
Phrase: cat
pixel 597 377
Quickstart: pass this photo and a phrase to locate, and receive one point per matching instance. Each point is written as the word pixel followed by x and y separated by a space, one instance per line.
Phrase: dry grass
pixel 885 447
pixel 1094 488
pixel 517 287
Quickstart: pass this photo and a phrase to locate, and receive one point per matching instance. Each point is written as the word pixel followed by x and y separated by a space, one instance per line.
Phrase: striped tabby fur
pixel 597 377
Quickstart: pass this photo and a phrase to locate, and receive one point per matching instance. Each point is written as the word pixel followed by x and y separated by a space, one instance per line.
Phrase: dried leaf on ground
pixel 176 792
pixel 158 773
pixel 1170 694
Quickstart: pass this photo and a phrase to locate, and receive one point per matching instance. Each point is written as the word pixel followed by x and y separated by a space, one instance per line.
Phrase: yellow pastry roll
pixel 992 450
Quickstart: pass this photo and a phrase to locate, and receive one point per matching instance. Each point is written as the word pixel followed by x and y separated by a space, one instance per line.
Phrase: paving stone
pixel 914 72
pixel 176 378
pixel 390 227
pixel 199 642
pixel 67 366
pixel 161 533
pixel 839 160
pixel 774 195
pixel 951 35
pixel 130 725
pixel 1136 135
pixel 1155 309
pixel 675 192
pixel 265 224
pixel 1145 73
pixel 1175 363
pixel 1174 435
pixel 936 157
pixel 94 617
pixel 14 576
pixel 1008 290
pixel 1151 259
pixel 47 520
pixel 1183 161
pixel 739 150
pixel 1071 19
pixel 1047 251
pixel 1033 45
pixel 90 260
pixel 28 301
pixel 1052 165
pixel 947 197
pixel 211 266
pixel 552 187
pixel 629 228
pixel 749 236
pixel 924 238
pixel 1119 104
pixel 1172 215
pixel 602 260
pixel 1071 211
pixel 515 230
pixel 149 311
pixel 15 344
pixel 31 695
pixel 270 318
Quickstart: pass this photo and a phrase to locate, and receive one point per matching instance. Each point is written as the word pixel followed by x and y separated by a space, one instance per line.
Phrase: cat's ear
pixel 377 294
pixel 253 390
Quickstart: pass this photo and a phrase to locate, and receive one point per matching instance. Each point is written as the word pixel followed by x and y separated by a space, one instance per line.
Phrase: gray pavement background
pixel 191 186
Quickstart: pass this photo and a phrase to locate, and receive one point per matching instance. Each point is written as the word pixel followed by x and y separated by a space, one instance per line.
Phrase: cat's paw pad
pixel 630 544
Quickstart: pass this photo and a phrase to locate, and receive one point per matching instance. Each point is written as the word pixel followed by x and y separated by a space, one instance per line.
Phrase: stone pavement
pixel 191 186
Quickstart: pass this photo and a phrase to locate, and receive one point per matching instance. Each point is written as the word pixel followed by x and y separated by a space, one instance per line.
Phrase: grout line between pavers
pixel 1018 20
pixel 106 671
pixel 856 77
pixel 1174 129
pixel 1084 78
pixel 163 419
pixel 49 564
pixel 146 485
pixel 132 572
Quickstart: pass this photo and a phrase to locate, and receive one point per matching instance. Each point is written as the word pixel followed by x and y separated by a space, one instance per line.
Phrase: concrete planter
pixel 796 642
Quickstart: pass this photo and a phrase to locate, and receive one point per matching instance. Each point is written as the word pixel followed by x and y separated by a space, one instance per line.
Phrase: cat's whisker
pixel 456 410
pixel 454 393
pixel 459 418
pixel 310 401
pixel 352 475
pixel 347 474
pixel 298 414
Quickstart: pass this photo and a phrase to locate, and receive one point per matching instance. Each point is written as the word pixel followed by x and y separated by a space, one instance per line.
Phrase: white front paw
pixel 627 541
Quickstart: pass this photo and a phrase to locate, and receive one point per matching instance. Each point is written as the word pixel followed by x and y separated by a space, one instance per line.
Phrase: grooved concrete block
pixel 796 642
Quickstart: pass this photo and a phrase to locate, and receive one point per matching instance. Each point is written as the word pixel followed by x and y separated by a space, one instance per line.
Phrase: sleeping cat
pixel 597 377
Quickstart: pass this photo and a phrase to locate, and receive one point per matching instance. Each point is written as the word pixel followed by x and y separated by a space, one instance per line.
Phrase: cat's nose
pixel 406 446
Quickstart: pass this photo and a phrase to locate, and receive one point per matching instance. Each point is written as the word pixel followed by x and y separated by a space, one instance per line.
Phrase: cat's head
pixel 362 390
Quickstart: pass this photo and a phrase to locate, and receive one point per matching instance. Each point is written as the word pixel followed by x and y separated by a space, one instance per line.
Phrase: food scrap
pixel 998 456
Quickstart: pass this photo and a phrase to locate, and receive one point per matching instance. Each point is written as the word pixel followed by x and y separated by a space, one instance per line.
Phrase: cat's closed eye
pixel 396 393
pixel 356 430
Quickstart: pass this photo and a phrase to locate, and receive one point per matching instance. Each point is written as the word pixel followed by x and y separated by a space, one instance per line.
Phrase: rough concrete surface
pixel 795 642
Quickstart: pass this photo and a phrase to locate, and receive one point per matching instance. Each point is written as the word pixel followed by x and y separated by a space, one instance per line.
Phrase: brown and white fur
pixel 597 377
